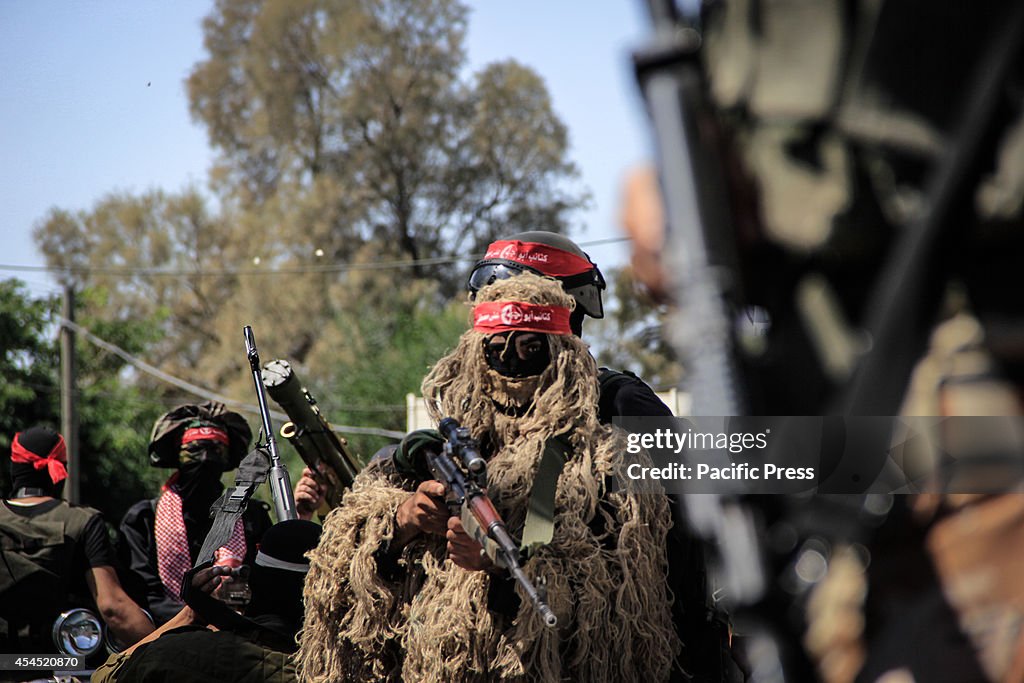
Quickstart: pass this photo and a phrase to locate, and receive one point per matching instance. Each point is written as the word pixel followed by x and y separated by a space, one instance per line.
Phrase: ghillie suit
pixel 415 616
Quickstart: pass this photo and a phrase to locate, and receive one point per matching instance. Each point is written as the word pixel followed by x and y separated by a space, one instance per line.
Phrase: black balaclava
pixel 523 354
pixel 280 570
pixel 38 440
pixel 202 462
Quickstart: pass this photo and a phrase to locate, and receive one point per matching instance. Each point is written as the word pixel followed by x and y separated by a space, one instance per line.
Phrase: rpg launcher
pixel 323 451
pixel 465 493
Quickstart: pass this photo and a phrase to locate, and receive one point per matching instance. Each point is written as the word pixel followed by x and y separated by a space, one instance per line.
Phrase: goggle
pixel 488 272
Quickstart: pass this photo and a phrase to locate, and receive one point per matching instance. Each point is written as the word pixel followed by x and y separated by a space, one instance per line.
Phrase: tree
pixel 115 417
pixel 148 258
pixel 369 362
pixel 29 387
pixel 366 99
pixel 355 154
pixel 116 414
pixel 633 336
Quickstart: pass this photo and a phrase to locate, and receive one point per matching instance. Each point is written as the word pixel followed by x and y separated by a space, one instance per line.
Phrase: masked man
pixel 548 253
pixel 54 556
pixel 698 620
pixel 161 538
pixel 254 648
pixel 397 590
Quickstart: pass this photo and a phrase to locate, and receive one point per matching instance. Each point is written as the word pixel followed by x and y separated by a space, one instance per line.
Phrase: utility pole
pixel 68 412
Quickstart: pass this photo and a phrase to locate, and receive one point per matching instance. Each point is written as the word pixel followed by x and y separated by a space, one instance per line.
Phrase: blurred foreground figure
pixel 161 538
pixel 398 590
pixel 255 648
pixel 850 175
pixel 55 556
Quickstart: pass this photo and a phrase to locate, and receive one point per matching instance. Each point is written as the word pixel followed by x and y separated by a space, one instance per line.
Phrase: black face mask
pixel 199 477
pixel 520 354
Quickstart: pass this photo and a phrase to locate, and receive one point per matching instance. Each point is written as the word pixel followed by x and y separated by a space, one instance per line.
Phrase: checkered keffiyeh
pixel 172 555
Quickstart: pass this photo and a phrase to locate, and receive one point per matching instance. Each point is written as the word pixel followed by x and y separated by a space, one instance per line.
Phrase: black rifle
pixel 280 483
pixel 461 452
pixel 318 445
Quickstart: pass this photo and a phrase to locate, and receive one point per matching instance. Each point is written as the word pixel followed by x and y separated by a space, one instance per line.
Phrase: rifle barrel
pixel 280 482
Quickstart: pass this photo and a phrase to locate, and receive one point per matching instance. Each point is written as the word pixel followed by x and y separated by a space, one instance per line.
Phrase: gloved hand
pixel 410 458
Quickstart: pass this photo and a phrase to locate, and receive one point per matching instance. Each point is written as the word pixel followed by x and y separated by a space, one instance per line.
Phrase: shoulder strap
pixel 540 515
pixel 229 507
pixel 539 526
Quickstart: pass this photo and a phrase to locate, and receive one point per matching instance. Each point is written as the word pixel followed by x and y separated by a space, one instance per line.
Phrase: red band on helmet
pixel 52 461
pixel 493 317
pixel 205 434
pixel 541 257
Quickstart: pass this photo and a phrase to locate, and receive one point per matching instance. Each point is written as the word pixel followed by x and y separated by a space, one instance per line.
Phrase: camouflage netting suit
pixel 425 619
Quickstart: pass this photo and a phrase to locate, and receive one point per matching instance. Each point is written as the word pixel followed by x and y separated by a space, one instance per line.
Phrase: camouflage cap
pixel 165 441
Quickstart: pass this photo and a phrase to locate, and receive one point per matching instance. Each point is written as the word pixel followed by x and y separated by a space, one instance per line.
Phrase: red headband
pixel 493 317
pixel 53 461
pixel 205 434
pixel 545 259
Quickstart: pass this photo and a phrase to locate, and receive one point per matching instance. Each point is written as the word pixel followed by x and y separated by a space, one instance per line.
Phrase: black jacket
pixel 136 550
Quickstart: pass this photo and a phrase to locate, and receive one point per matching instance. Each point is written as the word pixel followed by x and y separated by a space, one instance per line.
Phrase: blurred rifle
pixel 701 259
pixel 908 278
pixel 323 451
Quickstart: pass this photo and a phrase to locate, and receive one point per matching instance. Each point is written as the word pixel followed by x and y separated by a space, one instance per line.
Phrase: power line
pixel 201 391
pixel 256 270
pixel 248 270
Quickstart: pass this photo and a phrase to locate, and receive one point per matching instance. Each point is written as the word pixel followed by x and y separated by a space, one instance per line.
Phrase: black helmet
pixel 544 253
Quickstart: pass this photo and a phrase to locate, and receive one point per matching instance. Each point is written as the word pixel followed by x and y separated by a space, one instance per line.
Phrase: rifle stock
pixel 323 451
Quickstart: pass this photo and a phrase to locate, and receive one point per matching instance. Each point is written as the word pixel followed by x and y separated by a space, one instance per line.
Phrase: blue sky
pixel 92 101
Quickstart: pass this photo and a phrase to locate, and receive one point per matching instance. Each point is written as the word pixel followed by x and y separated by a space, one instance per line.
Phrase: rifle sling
pixel 232 504
pixel 540 515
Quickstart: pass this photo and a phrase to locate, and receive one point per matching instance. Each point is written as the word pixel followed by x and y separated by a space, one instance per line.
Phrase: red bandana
pixel 54 460
pixel 172 556
pixel 494 317
pixel 541 257
pixel 205 434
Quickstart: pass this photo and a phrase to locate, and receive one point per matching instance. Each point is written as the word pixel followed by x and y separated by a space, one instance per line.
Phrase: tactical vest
pixel 36 567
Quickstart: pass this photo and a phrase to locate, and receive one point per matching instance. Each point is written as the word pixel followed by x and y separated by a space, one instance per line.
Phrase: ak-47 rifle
pixel 323 451
pixel 463 471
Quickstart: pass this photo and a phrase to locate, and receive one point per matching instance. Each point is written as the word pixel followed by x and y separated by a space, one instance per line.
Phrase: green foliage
pixel 632 334
pixel 29 370
pixel 381 347
pixel 114 416
pixel 348 132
